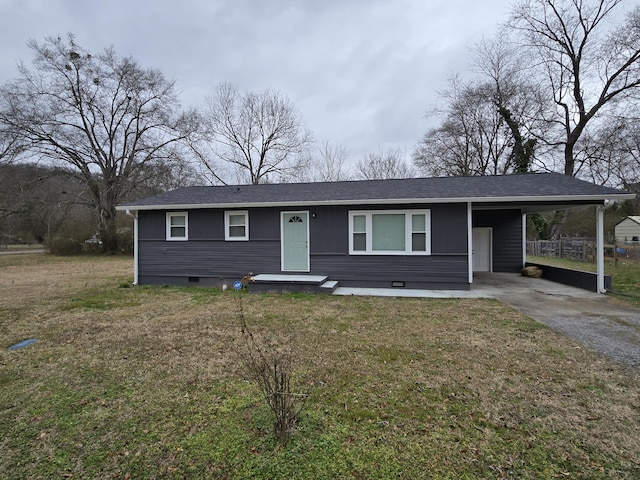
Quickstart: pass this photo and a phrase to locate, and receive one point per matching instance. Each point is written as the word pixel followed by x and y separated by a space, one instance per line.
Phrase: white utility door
pixel 295 241
pixel 482 240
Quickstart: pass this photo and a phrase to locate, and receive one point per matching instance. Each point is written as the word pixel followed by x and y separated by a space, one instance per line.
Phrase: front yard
pixel 146 382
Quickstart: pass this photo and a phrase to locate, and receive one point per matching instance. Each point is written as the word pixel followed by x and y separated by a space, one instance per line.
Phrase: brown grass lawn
pixel 145 382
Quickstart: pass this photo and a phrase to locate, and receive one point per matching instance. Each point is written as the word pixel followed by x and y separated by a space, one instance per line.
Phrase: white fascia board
pixel 385 201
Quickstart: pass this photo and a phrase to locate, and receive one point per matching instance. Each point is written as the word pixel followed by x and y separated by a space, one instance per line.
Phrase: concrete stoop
pixel 287 283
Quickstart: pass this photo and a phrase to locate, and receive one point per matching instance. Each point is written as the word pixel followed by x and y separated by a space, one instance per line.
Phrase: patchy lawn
pixel 145 382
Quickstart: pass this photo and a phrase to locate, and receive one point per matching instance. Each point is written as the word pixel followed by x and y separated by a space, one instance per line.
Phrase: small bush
pixel 125 242
pixel 69 239
pixel 64 246
pixel 271 368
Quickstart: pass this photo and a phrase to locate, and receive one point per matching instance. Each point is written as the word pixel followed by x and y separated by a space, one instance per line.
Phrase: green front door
pixel 295 241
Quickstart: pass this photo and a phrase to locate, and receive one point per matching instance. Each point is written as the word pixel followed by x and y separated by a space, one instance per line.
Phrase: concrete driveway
pixel 597 321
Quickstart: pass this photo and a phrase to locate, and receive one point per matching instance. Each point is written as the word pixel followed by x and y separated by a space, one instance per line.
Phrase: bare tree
pixel 519 100
pixel 384 164
pixel 105 119
pixel 11 145
pixel 35 201
pixel 260 135
pixel 332 166
pixel 490 125
pixel 585 62
pixel 471 140
pixel 328 165
pixel 612 151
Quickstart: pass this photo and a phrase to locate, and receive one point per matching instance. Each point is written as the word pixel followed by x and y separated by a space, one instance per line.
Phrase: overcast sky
pixel 362 72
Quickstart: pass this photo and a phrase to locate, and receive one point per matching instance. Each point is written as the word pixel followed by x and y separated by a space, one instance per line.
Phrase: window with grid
pixel 236 225
pixel 177 226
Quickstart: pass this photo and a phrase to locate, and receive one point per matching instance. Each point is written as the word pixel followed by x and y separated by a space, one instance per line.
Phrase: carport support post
pixel 524 239
pixel 470 241
pixel 600 252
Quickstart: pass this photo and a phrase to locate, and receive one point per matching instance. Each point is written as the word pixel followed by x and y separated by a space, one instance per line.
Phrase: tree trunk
pixel 108 231
pixel 569 162
pixel 560 218
pixel 556 228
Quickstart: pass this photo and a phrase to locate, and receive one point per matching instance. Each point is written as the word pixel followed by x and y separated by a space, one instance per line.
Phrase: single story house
pixel 628 230
pixel 430 233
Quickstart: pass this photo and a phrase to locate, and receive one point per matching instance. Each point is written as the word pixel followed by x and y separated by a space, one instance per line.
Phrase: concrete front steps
pixel 286 283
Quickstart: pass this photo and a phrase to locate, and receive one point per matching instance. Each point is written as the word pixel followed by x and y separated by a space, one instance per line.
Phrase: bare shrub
pixel 271 367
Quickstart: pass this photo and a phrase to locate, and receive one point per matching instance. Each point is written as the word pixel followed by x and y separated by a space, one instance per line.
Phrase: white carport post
pixel 600 247
pixel 134 214
pixel 470 241
pixel 524 239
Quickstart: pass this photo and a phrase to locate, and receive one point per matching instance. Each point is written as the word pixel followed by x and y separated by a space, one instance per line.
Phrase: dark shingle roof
pixel 536 187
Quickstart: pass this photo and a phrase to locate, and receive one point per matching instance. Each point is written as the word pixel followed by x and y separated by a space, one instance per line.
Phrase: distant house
pixel 416 233
pixel 628 230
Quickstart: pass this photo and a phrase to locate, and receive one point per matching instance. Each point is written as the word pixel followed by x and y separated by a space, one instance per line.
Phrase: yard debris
pixel 247 279
pixel 531 271
pixel 22 344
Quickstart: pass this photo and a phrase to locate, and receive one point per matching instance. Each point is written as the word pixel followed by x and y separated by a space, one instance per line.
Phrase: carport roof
pixel 530 192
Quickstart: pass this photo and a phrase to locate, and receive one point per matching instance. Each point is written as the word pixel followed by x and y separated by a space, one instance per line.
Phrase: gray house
pixel 416 233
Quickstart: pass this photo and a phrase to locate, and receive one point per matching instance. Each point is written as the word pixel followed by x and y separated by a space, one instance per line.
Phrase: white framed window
pixel 177 226
pixel 236 225
pixel 390 232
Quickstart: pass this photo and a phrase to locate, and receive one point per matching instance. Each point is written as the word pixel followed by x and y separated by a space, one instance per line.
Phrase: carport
pixel 498 240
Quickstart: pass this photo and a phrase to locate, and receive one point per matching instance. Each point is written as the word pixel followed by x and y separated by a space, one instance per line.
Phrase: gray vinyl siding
pixel 151 226
pixel 507 237
pixel 211 262
pixel 329 231
pixel 206 225
pixel 207 259
pixel 433 272
pixel 449 229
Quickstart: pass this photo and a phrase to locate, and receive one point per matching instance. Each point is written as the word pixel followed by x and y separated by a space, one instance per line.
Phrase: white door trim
pixel 282 246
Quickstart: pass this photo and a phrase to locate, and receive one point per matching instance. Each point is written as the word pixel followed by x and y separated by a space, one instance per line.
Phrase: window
pixel 359 234
pixel 390 232
pixel 177 226
pixel 236 225
pixel 418 232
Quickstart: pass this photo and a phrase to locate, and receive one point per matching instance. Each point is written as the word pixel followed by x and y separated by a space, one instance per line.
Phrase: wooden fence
pixel 581 249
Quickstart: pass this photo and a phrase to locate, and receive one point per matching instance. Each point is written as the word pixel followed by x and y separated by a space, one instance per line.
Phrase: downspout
pixel 470 241
pixel 524 239
pixel 134 214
